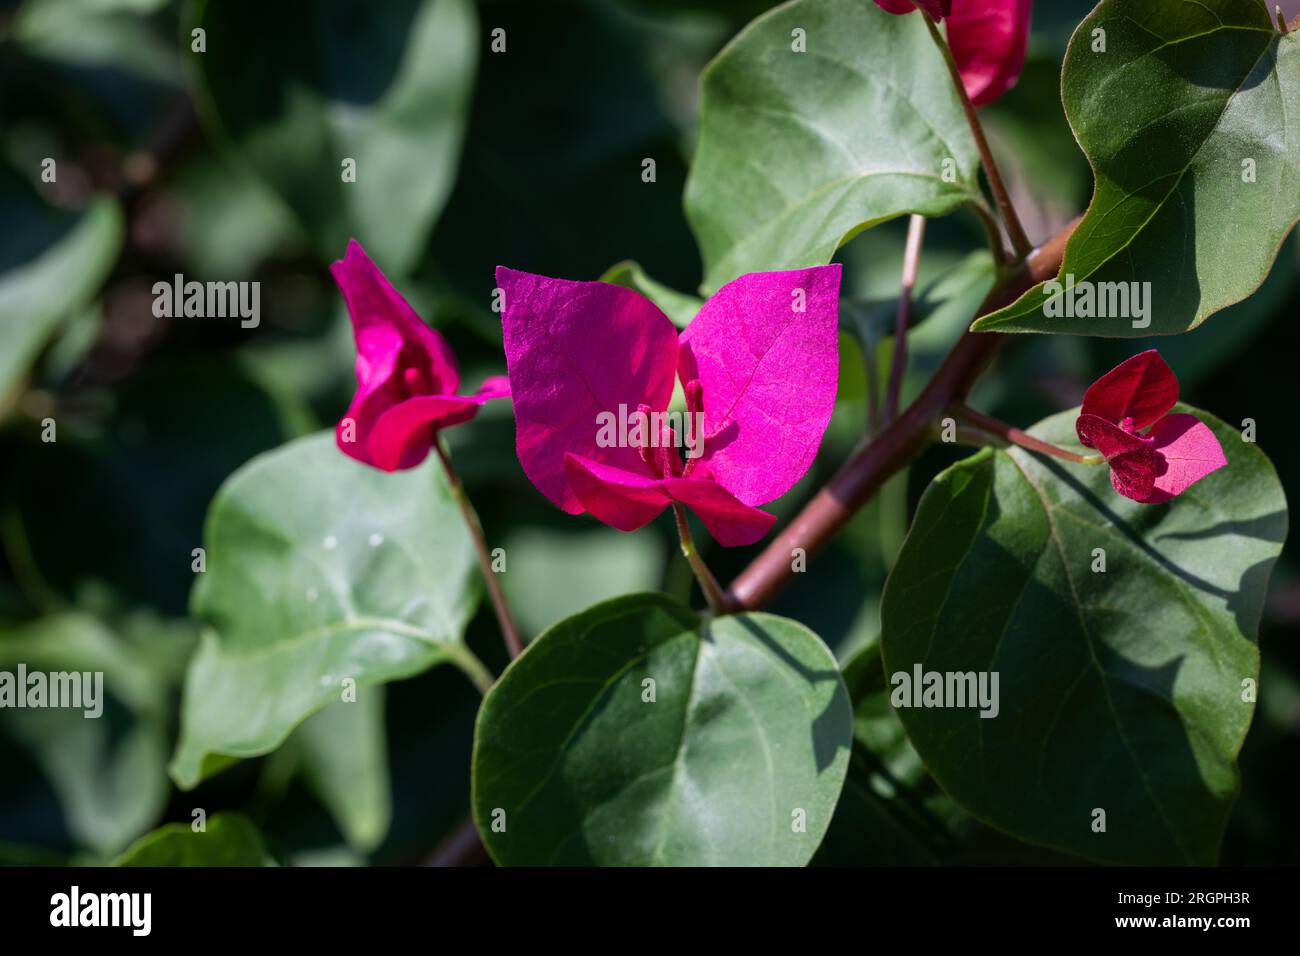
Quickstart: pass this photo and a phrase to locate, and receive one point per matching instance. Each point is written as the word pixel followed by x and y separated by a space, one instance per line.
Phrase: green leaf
pixel 99 35
pixel 387 85
pixel 343 754
pixel 52 262
pixel 798 152
pixel 748 734
pixel 109 771
pixel 1120 691
pixel 319 569
pixel 1185 97
pixel 678 306
pixel 228 840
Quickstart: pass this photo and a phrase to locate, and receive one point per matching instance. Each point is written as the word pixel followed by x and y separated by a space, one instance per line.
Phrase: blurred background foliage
pixel 224 165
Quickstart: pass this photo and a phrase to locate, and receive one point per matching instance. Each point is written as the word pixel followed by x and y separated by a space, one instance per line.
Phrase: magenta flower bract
pixel 987 39
pixel 759 365
pixel 1178 450
pixel 938 9
pixel 406 373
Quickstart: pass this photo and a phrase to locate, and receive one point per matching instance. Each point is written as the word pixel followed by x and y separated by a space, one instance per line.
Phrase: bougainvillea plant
pixel 1064 648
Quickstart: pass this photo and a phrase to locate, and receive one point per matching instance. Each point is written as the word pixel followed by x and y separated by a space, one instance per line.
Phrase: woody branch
pixel 899 443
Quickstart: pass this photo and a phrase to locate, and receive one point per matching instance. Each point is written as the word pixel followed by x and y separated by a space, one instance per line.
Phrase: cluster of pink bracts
pixel 758 366
pixel 759 363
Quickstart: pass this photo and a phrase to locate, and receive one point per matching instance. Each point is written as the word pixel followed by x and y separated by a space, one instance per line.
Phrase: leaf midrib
pixel 1077 606
pixel 358 624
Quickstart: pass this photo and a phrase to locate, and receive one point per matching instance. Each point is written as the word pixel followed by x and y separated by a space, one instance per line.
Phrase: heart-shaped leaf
pixel 320 570
pixel 1186 112
pixel 228 839
pixel 638 733
pixel 821 118
pixel 385 86
pixel 1122 635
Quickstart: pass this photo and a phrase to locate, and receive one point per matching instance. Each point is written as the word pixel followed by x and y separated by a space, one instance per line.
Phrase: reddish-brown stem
pixel 1015 231
pixel 509 632
pixel 898 366
pixel 901 441
pixel 1008 433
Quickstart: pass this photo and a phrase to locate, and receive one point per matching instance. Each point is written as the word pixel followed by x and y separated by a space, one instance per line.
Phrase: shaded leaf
pixel 1119 690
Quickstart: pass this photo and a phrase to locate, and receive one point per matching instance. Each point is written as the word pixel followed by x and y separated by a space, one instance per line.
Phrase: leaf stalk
pixel 713 592
pixel 1015 231
pixel 1014 436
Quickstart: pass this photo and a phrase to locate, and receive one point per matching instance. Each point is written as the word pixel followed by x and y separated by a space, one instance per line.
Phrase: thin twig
pixel 911 262
pixel 708 583
pixel 1015 231
pixel 508 629
pixel 1015 436
pixel 901 441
